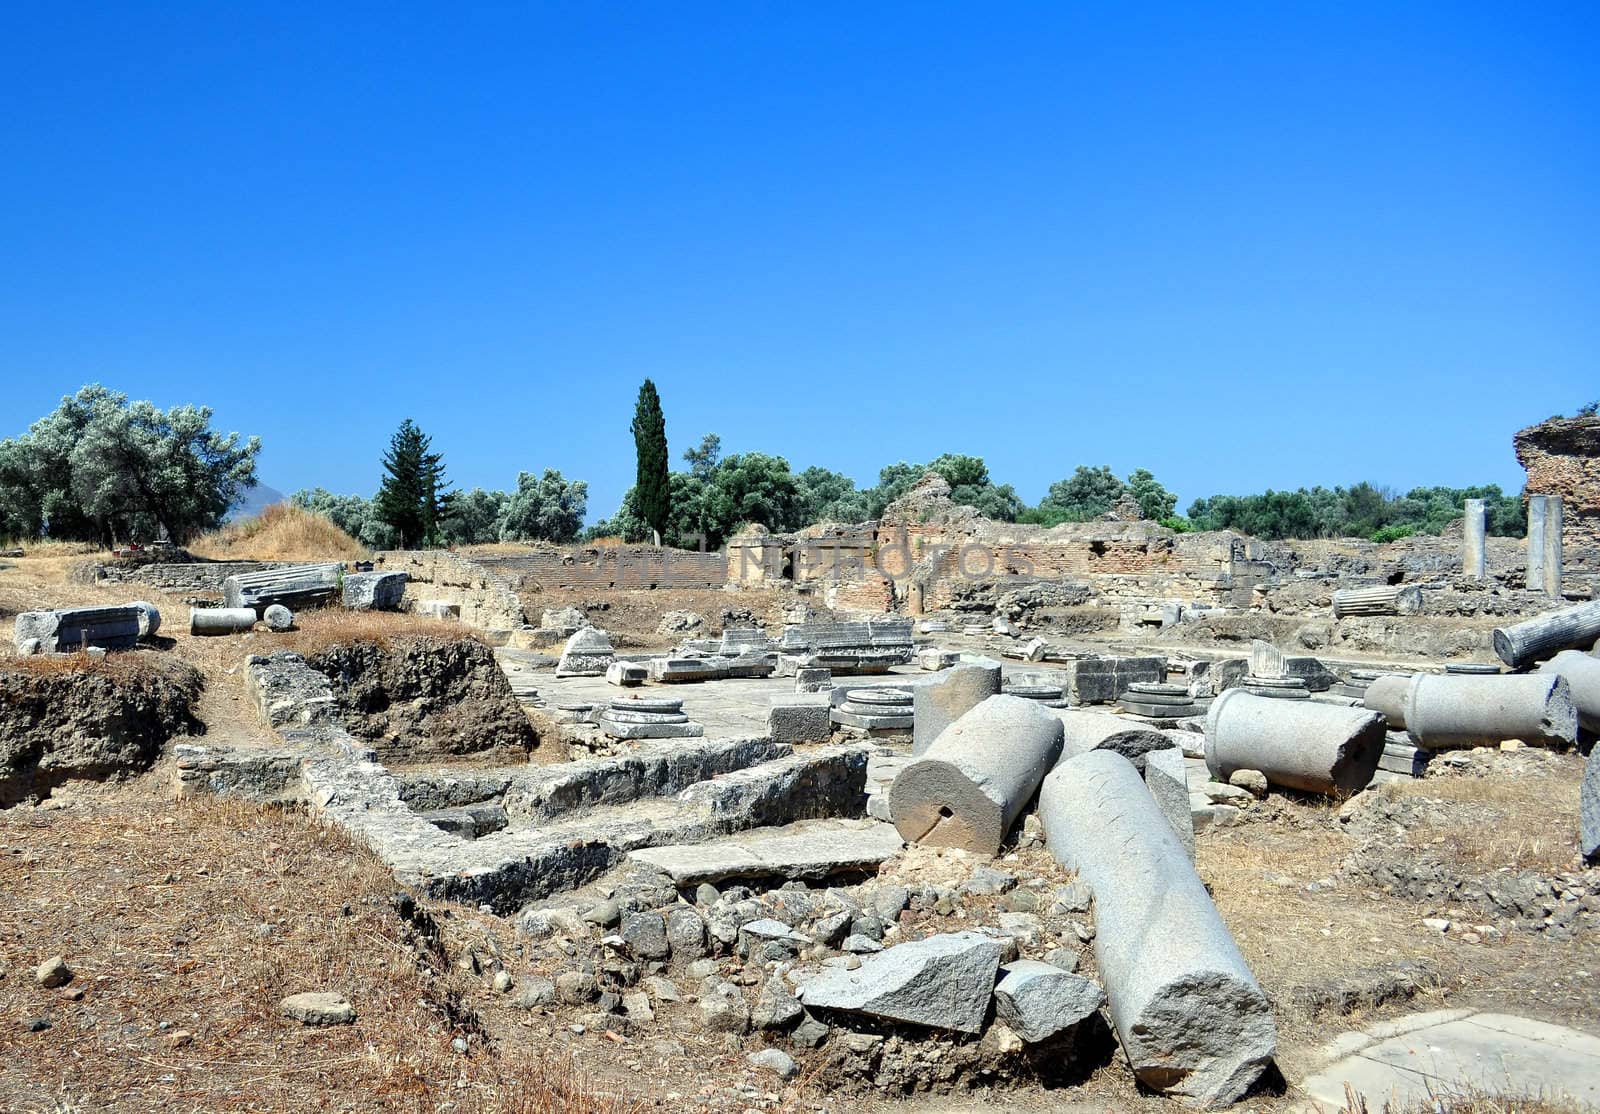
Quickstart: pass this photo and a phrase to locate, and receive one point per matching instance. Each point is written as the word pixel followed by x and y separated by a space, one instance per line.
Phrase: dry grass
pixel 319 630
pixel 129 665
pixel 185 923
pixel 1523 821
pixel 1474 1101
pixel 49 547
pixel 282 532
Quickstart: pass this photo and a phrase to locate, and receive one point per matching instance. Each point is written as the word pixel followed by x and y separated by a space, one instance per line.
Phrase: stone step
pixel 467 821
pixel 536 857
pixel 808 850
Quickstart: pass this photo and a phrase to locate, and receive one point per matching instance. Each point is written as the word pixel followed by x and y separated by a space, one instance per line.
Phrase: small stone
pixel 686 933
pixel 776 1007
pixel 646 934
pixel 706 894
pixel 53 972
pixel 1438 924
pixel 180 1038
pixel 574 987
pixel 606 914
pixel 776 1061
pixel 318 1008
pixel 1021 901
pixel 988 882
pixel 1064 958
pixel 36 1024
pixel 862 945
pixel 459 1045
pixel 701 968
pixel 662 989
pixel 1253 782
pixel 637 1006
pixel 1074 897
pixel 502 981
pixel 809 1033
pixel 535 992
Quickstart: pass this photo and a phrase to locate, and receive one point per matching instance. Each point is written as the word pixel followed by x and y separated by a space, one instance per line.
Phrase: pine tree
pixel 654 485
pixel 413 487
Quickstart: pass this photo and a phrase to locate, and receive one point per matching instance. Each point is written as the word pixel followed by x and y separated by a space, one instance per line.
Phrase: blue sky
pixel 1244 246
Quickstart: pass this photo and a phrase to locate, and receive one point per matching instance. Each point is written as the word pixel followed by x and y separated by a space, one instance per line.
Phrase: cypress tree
pixel 654 486
pixel 409 497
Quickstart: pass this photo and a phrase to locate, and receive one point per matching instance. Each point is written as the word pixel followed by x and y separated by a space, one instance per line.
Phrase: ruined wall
pixel 488 602
pixel 618 567
pixel 196 576
pixel 1562 457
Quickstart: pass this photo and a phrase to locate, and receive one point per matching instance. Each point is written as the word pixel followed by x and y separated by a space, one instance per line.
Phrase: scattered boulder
pixel 53 972
pixel 1038 1000
pixel 943 982
pixel 318 1007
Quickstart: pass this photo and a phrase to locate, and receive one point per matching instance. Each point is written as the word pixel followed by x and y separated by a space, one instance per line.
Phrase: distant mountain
pixel 253 500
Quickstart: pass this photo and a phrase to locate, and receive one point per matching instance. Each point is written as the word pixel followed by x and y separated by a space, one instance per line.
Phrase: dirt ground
pixel 185 922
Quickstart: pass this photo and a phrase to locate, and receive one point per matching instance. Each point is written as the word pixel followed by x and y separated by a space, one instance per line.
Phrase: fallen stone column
pixel 1192 1019
pixel 1583 678
pixel 294 587
pixel 1572 628
pixel 1387 694
pixel 1320 748
pixel 1086 731
pixel 221 620
pixel 1462 711
pixel 374 591
pixel 1386 599
pixel 67 629
pixel 976 778
pixel 939 701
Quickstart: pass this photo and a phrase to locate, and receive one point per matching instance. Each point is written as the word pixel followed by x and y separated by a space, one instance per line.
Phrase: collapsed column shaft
pixel 1572 628
pixel 1191 1017
pixel 221 620
pixel 975 779
pixel 1583 681
pixel 1459 711
pixel 1320 748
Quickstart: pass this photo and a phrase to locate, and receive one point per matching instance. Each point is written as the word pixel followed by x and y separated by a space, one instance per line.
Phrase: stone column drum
pixel 221 620
pixel 980 773
pixel 1387 694
pixel 1320 748
pixel 1572 628
pixel 939 701
pixel 1463 711
pixel 1474 556
pixel 1582 672
pixel 1192 1020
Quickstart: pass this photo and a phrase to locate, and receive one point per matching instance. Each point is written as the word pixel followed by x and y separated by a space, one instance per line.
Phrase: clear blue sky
pixel 1242 246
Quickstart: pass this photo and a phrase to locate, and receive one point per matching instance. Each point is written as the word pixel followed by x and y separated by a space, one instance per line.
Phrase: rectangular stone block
pixel 1104 680
pixel 72 628
pixel 800 719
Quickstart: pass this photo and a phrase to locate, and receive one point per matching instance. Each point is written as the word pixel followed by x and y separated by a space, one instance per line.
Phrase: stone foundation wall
pixel 487 600
pixel 199 576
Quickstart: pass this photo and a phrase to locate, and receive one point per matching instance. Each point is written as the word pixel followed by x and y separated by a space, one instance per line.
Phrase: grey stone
pixel 809 1033
pixel 1385 599
pixel 861 944
pixel 943 982
pixel 776 1007
pixel 977 777
pixel 723 1008
pixel 1572 628
pixel 770 938
pixel 706 894
pixel 318 1008
pixel 627 674
pixel 221 620
pixel 53 972
pixel 831 929
pixel 1474 555
pixel 1306 745
pixel 294 586
pixel 374 591
pixel 1039 1000
pixel 1086 731
pixel 1589 808
pixel 1582 672
pixel 278 618
pixel 776 1061
pixel 1074 897
pixel 686 933
pixel 149 618
pixel 67 629
pixel 1064 958
pixel 805 850
pixel 576 987
pixel 1386 695
pixel 605 913
pixel 1167 777
pixel 646 935
pixel 939 701
pixel 534 992
pixel 1191 1017
pixel 986 881
pixel 800 719
pixel 1103 680
pixel 1456 711
pixel 588 653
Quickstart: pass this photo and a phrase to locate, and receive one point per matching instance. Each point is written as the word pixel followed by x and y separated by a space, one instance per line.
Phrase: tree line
pixel 102 468
pixel 716 494
pixel 414 507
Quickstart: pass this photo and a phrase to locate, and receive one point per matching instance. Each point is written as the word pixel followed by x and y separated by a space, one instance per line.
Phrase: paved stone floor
pixel 1451 1051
